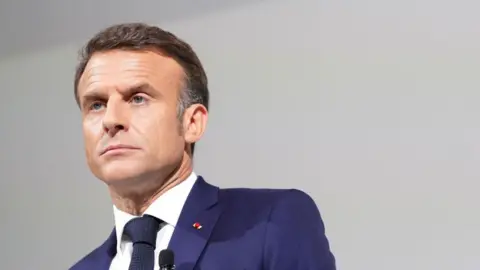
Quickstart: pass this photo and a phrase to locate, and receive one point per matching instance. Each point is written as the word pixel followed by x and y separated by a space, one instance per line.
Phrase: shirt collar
pixel 167 207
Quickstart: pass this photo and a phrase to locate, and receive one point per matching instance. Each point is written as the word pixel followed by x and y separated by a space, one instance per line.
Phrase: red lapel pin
pixel 197 226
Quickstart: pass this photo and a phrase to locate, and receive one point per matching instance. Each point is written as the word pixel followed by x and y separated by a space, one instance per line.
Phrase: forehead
pixel 121 69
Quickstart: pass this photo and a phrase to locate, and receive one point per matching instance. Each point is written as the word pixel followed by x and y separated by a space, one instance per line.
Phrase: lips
pixel 117 146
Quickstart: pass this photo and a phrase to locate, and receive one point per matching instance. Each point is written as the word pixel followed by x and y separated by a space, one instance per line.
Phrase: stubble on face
pixel 110 95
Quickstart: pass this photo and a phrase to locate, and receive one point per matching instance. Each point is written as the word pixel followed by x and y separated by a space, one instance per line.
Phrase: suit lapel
pixel 201 208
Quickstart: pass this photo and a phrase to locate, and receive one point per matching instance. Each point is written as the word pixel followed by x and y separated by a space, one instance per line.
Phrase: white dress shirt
pixel 167 208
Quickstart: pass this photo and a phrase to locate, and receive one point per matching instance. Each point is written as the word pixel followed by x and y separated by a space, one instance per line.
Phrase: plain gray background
pixel 372 107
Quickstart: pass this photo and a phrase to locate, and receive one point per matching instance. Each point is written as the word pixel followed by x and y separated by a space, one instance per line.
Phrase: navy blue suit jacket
pixel 253 229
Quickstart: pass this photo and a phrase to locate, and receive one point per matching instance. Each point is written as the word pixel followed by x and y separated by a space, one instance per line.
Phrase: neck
pixel 136 201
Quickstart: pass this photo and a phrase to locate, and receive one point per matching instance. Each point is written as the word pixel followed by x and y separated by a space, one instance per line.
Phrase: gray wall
pixel 371 107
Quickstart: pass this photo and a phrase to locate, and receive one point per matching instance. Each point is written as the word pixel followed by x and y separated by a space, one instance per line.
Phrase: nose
pixel 115 119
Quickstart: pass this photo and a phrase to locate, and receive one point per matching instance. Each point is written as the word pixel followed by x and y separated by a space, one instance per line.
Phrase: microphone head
pixel 166 258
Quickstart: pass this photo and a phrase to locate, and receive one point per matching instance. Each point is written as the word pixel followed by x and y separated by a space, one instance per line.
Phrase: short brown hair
pixel 140 36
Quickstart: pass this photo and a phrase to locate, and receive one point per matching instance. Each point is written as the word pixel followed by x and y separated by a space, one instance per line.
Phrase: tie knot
pixel 143 230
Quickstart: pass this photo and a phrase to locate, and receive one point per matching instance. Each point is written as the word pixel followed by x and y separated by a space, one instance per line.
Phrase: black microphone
pixel 166 259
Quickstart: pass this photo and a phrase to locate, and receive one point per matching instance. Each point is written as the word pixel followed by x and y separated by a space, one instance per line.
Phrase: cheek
pixel 91 134
pixel 161 131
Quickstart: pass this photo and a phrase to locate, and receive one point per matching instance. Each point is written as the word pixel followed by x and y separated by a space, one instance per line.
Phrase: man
pixel 143 96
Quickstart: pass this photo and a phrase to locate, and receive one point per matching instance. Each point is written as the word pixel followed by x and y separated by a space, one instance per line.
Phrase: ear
pixel 194 123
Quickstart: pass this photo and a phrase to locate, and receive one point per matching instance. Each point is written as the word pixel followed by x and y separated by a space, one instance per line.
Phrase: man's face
pixel 128 101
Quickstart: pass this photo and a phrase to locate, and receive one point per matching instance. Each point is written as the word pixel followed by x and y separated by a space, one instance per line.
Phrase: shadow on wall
pixel 55 23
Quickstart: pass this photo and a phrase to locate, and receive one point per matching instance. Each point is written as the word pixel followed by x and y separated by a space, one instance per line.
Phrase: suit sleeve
pixel 295 236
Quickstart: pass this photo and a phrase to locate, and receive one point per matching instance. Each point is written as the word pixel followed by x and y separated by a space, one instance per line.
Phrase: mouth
pixel 118 147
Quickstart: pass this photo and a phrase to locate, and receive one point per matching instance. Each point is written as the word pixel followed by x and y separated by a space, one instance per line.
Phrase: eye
pixel 138 99
pixel 95 106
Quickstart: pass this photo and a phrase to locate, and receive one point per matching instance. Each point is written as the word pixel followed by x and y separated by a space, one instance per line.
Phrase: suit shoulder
pixel 288 209
pixel 246 194
pixel 296 235
pixel 265 194
pixel 264 199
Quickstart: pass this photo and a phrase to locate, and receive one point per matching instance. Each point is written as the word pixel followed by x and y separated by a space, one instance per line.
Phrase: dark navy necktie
pixel 143 233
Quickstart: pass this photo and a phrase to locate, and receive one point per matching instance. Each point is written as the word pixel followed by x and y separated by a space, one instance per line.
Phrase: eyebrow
pixel 98 94
pixel 141 87
pixel 91 96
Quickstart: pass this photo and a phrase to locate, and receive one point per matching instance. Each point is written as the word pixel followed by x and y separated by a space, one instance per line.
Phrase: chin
pixel 120 171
